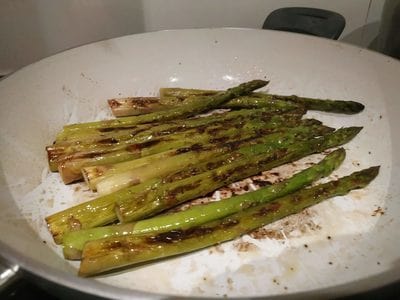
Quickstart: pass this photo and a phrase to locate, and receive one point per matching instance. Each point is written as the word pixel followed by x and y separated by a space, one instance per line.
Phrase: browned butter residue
pixel 263 233
pixel 245 246
pixel 297 224
pixel 378 212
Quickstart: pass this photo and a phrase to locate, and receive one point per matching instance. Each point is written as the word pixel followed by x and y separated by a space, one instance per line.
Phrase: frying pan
pixel 341 246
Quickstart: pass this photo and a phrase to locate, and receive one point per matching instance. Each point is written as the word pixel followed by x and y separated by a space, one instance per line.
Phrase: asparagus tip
pixel 373 171
pixel 253 84
pixel 365 176
pixel 357 128
pixel 357 107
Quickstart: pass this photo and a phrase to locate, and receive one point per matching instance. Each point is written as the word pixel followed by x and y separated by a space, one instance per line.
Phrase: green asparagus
pixel 191 107
pixel 97 142
pixel 115 252
pixel 70 165
pixel 134 105
pixel 141 200
pixel 336 106
pixel 166 196
pixel 195 161
pixel 73 242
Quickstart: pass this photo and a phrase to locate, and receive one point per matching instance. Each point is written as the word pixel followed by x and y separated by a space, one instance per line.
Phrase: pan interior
pixel 342 240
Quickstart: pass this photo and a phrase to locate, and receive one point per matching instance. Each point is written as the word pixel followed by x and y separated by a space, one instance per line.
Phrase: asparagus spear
pixel 336 106
pixel 73 242
pixel 100 211
pixel 274 103
pixel 114 182
pixel 133 106
pixel 191 163
pixel 191 107
pixel 86 146
pixel 129 173
pixel 93 139
pixel 59 152
pixel 122 133
pixel 275 123
pixel 94 174
pixel 70 166
pixel 115 252
pixel 168 195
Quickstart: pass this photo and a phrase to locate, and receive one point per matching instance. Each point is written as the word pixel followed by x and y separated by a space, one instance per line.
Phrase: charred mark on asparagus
pixel 140 146
pixel 194 148
pixel 111 140
pixel 170 196
pixel 137 130
pixel 174 236
pixel 265 210
pixel 138 102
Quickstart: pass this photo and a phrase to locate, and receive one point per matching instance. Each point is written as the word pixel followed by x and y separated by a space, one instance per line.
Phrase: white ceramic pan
pixel 344 245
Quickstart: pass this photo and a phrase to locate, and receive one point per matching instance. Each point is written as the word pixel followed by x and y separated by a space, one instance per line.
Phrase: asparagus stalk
pixel 90 136
pixel 115 252
pixel 117 181
pixel 336 106
pixel 94 174
pixel 70 166
pixel 122 107
pixel 101 211
pixel 91 173
pixel 129 173
pixel 89 145
pixel 194 162
pixel 73 242
pixel 168 195
pixel 96 212
pixel 95 139
pixel 191 107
